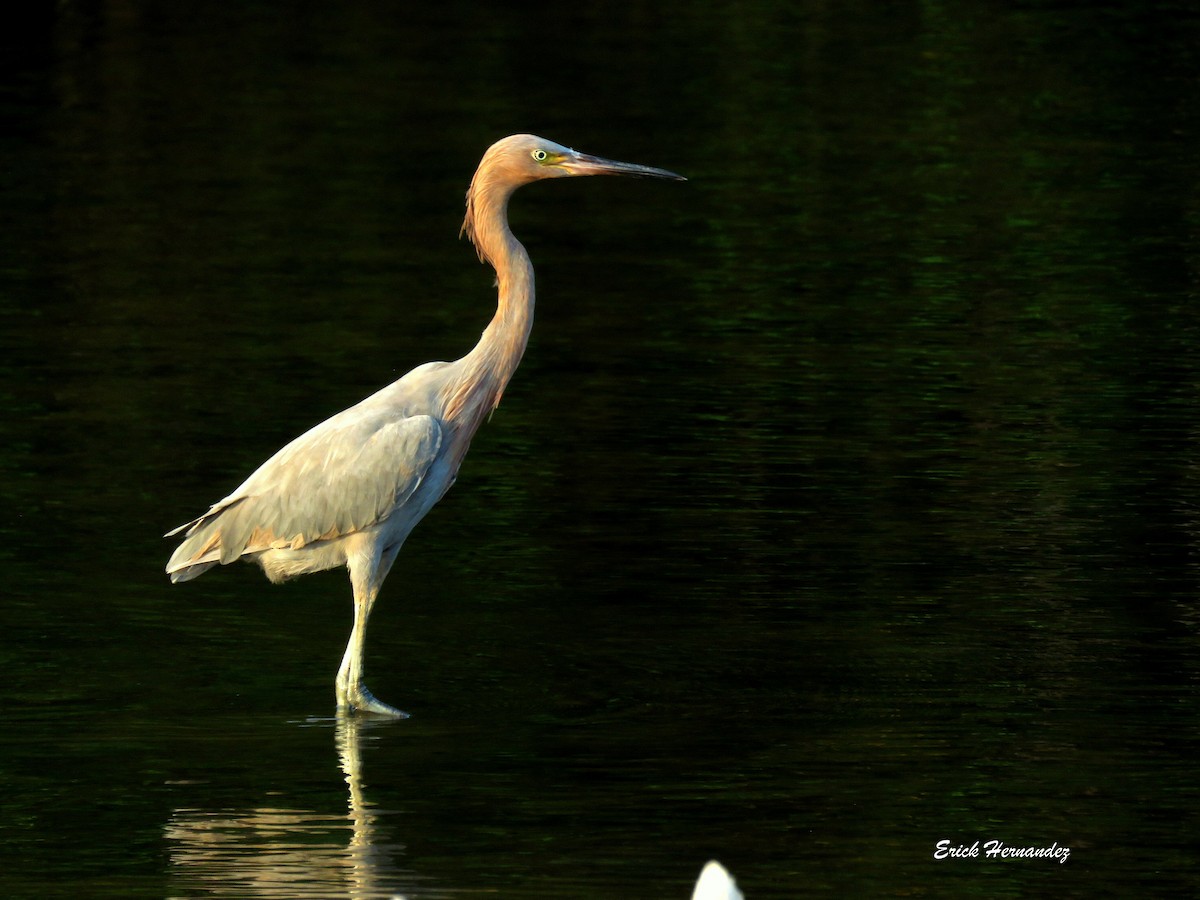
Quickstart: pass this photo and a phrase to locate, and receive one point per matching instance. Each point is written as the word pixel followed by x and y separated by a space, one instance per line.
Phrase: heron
pixel 349 491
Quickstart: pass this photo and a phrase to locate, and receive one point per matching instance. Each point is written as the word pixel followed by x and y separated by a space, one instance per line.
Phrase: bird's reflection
pixel 271 851
pixel 280 852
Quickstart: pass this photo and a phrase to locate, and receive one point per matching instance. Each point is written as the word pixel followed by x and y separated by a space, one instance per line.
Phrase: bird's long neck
pixel 487 369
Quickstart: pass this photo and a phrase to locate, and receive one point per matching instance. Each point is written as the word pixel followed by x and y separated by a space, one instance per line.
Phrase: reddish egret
pixel 349 491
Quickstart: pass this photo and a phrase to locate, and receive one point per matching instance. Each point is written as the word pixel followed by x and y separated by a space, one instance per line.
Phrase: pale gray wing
pixel 346 474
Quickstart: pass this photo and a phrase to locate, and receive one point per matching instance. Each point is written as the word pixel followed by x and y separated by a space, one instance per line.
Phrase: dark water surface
pixel 846 501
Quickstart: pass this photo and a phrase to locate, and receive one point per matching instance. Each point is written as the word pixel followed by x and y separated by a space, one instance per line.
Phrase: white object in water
pixel 716 884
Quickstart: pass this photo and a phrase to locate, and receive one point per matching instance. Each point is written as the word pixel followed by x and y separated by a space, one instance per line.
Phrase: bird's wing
pixel 346 474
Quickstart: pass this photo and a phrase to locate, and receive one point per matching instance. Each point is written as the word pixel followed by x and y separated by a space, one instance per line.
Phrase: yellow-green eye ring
pixel 539 155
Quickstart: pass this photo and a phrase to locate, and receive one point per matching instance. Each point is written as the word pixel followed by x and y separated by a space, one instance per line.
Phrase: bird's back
pixel 349 473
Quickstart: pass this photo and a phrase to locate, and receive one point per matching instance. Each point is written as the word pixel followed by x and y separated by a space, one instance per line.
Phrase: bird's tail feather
pixel 206 542
pixel 187 573
pixel 200 550
pixel 197 554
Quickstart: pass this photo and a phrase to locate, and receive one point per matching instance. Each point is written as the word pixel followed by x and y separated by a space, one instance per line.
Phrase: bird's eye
pixel 539 155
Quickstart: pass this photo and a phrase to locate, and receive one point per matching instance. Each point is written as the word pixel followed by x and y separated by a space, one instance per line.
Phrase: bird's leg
pixel 351 692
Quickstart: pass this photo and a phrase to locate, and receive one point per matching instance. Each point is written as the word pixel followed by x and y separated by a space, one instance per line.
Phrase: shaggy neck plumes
pixel 488 368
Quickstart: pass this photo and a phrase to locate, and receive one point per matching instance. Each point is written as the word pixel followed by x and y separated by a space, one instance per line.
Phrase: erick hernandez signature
pixel 999 850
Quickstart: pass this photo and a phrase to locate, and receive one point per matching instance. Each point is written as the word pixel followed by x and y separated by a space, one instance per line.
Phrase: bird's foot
pixel 359 699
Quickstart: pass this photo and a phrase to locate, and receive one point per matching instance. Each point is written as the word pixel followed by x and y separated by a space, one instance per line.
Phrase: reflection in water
pixel 278 852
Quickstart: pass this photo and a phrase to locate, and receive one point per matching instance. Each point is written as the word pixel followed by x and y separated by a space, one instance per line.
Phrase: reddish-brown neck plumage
pixel 487 369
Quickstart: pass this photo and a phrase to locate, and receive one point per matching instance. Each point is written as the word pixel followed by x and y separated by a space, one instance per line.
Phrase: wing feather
pixel 345 475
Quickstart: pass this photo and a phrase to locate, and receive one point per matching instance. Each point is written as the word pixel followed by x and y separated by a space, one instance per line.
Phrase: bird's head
pixel 521 159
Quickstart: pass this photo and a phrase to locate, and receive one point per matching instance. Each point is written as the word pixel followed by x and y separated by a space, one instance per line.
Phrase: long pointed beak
pixel 582 164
